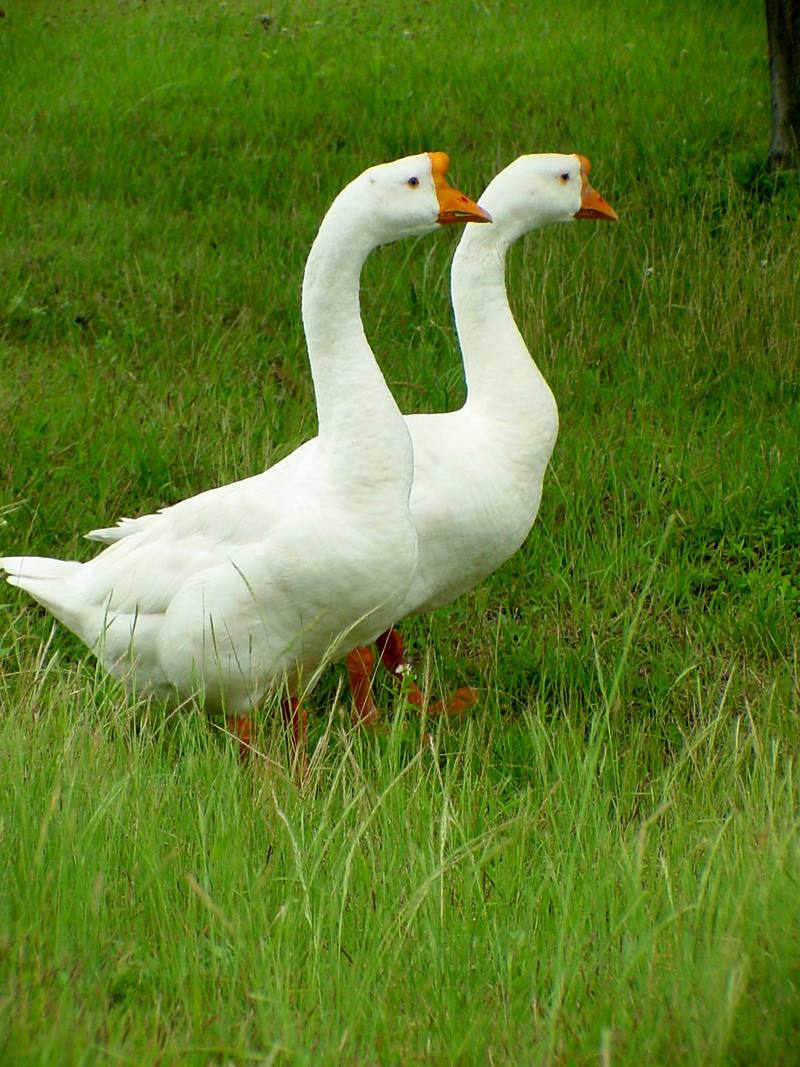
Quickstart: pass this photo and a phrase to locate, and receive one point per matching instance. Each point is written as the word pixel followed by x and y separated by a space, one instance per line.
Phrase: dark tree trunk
pixel 783 34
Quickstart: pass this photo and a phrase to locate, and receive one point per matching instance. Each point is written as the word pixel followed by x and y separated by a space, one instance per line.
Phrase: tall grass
pixel 600 863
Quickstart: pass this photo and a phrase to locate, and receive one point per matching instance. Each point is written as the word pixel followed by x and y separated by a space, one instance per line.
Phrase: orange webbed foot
pixel 390 647
pixel 457 703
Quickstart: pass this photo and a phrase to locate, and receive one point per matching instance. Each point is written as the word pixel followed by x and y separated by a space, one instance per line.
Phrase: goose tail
pixel 49 582
pixel 22 569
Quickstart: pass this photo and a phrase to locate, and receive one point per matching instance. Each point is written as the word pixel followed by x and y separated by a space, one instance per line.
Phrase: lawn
pixel 600 862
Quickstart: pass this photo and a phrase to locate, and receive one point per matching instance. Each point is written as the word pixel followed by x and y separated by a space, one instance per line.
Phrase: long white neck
pixel 505 388
pixel 358 417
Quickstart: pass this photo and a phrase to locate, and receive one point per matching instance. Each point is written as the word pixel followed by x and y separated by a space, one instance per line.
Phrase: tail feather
pixel 48 582
pixel 107 535
pixel 110 534
pixel 37 567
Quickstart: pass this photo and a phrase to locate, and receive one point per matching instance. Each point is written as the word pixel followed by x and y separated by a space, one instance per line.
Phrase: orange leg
pixel 390 649
pixel 241 726
pixel 296 716
pixel 360 663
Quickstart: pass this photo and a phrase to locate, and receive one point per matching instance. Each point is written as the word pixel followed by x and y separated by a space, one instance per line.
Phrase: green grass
pixel 600 864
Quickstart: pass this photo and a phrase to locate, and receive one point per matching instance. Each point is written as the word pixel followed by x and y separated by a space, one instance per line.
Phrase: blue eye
pixel 413 182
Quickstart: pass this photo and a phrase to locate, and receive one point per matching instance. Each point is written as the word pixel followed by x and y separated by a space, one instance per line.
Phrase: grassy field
pixel 600 864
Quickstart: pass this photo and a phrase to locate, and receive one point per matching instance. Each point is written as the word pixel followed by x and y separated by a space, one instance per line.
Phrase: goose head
pixel 537 190
pixel 409 197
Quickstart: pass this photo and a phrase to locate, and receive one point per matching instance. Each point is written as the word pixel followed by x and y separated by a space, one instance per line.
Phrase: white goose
pixel 253 585
pixel 478 471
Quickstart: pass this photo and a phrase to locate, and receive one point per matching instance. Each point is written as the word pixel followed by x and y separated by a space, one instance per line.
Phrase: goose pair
pixel 257 584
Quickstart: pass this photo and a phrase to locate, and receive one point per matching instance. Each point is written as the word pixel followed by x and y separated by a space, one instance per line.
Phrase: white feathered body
pixel 475 496
pixel 240 589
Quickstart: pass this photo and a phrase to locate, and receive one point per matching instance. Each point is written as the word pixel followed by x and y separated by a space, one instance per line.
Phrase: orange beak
pixel 593 206
pixel 453 206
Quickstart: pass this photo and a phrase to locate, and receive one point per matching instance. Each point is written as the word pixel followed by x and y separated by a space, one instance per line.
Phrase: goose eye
pixel 413 182
pixel 565 177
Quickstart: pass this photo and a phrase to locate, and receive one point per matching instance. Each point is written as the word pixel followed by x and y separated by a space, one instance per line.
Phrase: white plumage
pixel 478 471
